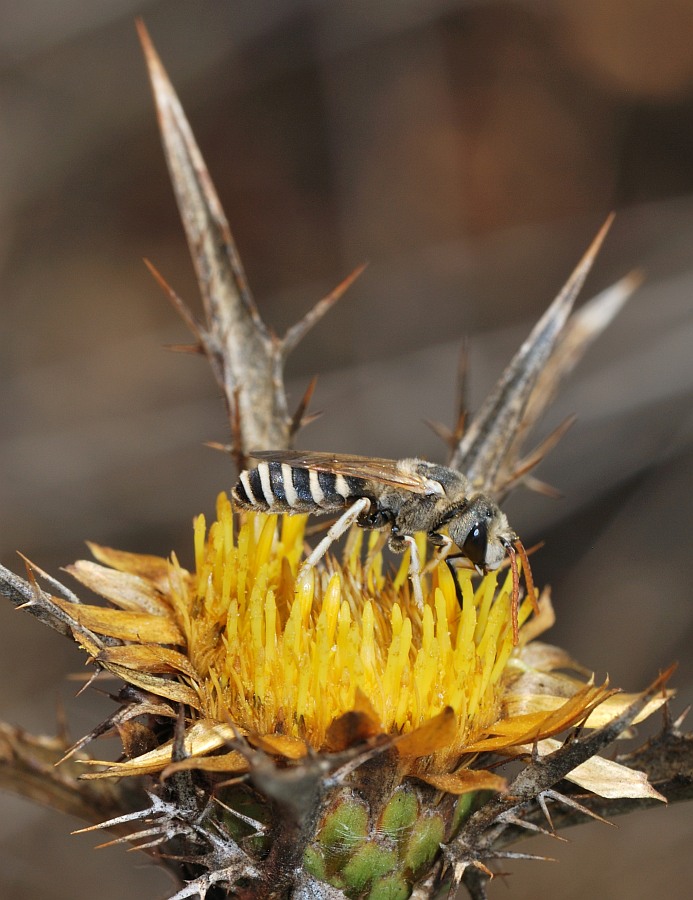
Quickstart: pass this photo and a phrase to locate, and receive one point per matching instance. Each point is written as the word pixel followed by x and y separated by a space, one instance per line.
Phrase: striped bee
pixel 408 496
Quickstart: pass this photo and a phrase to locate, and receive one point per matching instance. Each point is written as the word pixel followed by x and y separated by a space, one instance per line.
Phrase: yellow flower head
pixel 340 655
pixel 291 657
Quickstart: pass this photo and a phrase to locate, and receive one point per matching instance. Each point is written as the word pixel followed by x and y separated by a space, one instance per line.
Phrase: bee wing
pixel 372 468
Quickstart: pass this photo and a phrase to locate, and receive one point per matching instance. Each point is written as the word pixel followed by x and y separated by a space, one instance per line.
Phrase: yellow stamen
pixel 287 655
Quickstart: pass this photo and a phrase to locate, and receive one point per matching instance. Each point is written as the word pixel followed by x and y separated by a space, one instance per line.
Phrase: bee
pixel 407 496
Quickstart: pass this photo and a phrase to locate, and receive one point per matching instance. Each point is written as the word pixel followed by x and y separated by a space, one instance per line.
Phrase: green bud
pixel 314 863
pixel 400 813
pixel 344 827
pixel 424 843
pixel 390 887
pixel 369 862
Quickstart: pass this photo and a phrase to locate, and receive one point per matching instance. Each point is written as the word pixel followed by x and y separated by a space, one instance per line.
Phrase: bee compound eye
pixel 474 547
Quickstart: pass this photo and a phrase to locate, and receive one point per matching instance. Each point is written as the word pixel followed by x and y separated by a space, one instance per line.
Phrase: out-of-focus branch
pixel 489 450
pixel 580 330
pixel 246 357
pixel 28 768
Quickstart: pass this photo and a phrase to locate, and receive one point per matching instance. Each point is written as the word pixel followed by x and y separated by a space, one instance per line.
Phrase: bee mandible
pixel 406 496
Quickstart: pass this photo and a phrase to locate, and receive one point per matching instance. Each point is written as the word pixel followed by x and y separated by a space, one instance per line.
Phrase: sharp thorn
pixel 299 416
pixel 441 431
pixel 298 331
pixel 177 303
pixel 185 348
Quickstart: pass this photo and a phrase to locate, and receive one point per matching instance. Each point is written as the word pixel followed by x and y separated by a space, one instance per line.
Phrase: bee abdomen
pixel 279 487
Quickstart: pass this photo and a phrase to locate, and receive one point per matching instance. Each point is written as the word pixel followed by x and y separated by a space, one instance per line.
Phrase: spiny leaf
pixel 484 450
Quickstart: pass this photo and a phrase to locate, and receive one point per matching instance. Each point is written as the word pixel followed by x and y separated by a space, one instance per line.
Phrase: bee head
pixel 482 533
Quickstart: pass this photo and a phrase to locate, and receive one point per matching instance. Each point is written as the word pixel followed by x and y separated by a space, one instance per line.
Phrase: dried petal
pixel 148 658
pixel 510 732
pixel 606 777
pixel 464 781
pixel 128 626
pixel 162 687
pixel 433 735
pixel 124 589
pixel 615 705
pixel 154 568
pixel 201 738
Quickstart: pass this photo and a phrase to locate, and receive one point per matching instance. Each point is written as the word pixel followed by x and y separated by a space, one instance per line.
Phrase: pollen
pixel 283 655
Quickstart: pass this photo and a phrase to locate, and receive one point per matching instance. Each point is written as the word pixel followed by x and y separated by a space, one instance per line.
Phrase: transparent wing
pixel 384 471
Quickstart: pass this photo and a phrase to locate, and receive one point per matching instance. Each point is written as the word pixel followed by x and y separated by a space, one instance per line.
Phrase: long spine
pixel 279 487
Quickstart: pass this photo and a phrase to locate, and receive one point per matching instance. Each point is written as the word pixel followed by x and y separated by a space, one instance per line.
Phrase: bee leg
pixel 414 569
pixel 335 531
pixel 378 542
pixel 458 589
pixel 443 545
pixel 375 518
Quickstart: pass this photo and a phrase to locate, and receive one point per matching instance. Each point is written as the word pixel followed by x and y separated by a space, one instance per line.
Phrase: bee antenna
pixel 512 550
pixel 527 571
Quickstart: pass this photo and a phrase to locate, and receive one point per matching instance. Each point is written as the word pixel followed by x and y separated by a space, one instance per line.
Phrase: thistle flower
pixel 338 680
pixel 321 664
pixel 320 734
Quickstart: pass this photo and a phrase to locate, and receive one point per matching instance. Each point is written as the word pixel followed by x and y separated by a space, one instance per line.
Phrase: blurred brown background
pixel 468 151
